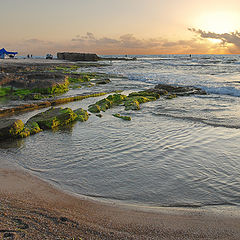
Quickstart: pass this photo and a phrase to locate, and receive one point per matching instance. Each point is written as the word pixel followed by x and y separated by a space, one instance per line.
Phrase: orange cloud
pixel 232 38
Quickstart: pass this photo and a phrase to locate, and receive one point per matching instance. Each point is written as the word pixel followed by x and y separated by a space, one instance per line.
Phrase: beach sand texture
pixel 32 209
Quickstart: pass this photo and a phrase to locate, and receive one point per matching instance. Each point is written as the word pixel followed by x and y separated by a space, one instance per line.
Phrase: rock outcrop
pixel 10 128
pixel 82 115
pixel 53 117
pixel 71 56
pixel 179 91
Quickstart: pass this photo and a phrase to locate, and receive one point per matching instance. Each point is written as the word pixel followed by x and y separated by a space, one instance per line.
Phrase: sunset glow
pixel 218 22
pixel 119 27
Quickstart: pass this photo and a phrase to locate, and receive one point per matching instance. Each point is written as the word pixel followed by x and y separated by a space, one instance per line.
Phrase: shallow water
pixel 180 152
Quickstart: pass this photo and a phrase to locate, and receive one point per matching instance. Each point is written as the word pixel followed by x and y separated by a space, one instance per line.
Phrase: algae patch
pixel 54 117
pixel 126 118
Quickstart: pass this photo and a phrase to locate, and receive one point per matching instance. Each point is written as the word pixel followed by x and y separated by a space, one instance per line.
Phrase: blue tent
pixel 3 52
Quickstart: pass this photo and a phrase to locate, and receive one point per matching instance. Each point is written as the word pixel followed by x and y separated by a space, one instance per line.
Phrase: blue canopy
pixel 3 52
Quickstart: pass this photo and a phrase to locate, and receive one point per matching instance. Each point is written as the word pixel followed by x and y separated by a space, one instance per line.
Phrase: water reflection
pixel 12 143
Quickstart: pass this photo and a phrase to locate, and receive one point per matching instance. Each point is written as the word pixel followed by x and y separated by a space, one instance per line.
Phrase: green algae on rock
pixel 82 115
pixel 57 88
pixel 94 108
pixel 54 117
pixel 126 118
pixel 131 104
pixel 10 128
pixel 106 103
pixel 30 128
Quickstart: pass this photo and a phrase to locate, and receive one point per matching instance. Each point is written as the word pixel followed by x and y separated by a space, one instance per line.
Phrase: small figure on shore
pixel 190 55
pixel 31 56
pixel 28 56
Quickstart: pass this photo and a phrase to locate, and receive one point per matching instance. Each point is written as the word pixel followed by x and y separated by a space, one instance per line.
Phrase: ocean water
pixel 179 152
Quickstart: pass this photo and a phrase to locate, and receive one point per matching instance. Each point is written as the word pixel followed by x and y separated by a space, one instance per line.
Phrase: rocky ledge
pixel 52 118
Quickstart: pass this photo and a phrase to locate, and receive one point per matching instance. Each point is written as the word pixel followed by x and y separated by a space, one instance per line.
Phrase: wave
pixel 200 120
pixel 231 91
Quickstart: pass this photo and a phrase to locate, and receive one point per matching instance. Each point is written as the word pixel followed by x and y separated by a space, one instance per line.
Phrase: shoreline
pixel 31 208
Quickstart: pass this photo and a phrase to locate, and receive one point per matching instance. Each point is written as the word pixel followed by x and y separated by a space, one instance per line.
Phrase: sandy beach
pixel 33 209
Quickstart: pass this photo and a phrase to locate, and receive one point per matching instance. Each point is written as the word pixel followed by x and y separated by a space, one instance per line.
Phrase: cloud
pixel 130 44
pixel 226 38
pixel 127 41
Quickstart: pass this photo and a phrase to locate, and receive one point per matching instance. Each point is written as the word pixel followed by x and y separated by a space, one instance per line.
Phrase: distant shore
pixel 33 209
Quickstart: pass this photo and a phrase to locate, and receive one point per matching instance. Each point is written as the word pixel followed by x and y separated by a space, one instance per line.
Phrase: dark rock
pixel 33 96
pixel 77 56
pixel 39 80
pixel 101 81
pixel 179 91
pixel 10 128
pixel 8 236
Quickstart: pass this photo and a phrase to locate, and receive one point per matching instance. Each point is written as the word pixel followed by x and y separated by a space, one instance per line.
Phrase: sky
pixel 120 26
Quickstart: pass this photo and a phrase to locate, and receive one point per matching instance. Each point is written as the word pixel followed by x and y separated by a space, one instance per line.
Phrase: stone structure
pixel 77 56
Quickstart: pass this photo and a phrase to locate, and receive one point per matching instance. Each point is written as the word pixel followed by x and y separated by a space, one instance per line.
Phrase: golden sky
pixel 120 26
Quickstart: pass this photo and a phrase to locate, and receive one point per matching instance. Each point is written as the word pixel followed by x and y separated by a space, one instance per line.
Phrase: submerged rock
pixel 94 108
pixel 126 118
pixel 178 91
pixel 54 117
pixel 82 115
pixel 101 81
pixel 132 104
pixel 10 128
pixel 106 103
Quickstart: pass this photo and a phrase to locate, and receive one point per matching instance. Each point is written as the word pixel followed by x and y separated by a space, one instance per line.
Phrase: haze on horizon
pixel 121 27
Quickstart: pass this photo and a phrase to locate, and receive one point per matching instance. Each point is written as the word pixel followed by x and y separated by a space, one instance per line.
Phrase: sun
pixel 218 22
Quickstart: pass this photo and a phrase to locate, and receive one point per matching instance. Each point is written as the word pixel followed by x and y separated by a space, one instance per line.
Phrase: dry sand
pixel 33 209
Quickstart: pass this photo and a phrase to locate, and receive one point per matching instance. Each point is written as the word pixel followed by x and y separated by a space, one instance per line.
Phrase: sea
pixel 181 152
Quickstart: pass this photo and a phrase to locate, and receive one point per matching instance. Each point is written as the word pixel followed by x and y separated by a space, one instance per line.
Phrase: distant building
pixel 3 53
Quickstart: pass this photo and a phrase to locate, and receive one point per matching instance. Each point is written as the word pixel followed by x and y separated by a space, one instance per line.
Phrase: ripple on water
pixel 152 160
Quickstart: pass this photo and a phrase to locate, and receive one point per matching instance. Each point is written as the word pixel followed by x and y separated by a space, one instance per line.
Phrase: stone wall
pixel 77 56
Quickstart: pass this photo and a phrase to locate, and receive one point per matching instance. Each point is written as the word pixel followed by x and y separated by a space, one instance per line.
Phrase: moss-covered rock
pixel 131 104
pixel 10 128
pixel 147 94
pixel 54 117
pixel 178 90
pixel 171 96
pixel 79 79
pixel 30 128
pixel 4 91
pixel 101 81
pixel 116 98
pixel 34 96
pixel 94 108
pixel 57 88
pixel 106 103
pixel 82 115
pixel 126 118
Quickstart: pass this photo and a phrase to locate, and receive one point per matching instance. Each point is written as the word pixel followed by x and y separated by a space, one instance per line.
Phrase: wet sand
pixel 33 209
